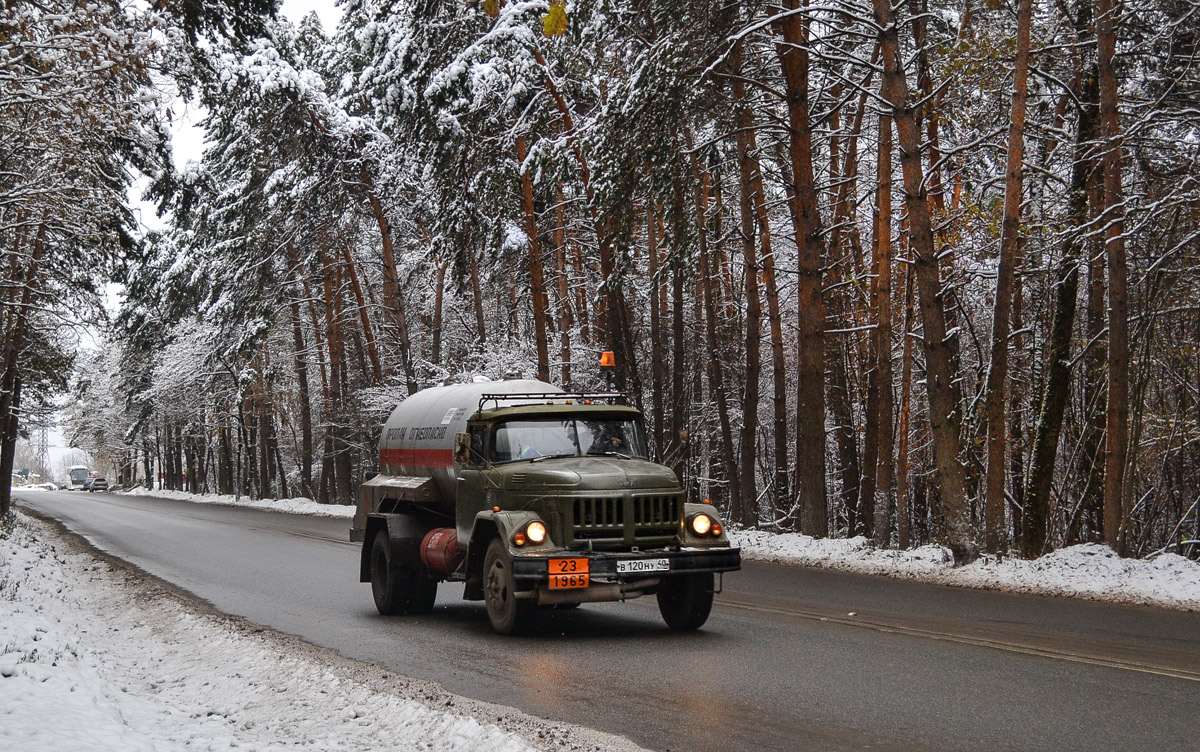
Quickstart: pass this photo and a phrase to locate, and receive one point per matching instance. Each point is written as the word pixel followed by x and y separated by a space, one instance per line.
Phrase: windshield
pixel 79 474
pixel 566 437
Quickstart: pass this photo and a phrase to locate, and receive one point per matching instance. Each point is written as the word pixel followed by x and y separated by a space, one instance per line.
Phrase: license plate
pixel 568 573
pixel 633 566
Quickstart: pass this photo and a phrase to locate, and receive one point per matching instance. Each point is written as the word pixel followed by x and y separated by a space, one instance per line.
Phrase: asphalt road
pixel 791 659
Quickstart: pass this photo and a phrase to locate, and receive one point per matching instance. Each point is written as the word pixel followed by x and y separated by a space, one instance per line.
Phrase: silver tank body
pixel 418 437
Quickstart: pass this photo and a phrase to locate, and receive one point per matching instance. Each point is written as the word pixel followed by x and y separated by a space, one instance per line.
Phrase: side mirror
pixel 462 448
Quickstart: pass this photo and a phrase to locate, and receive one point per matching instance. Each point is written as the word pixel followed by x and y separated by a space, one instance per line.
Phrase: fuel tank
pixel 418 437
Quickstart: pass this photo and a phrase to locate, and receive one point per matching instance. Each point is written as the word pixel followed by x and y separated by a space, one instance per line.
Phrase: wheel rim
pixel 497 590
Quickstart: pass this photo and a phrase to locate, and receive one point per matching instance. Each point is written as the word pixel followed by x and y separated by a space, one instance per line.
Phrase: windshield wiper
pixel 554 456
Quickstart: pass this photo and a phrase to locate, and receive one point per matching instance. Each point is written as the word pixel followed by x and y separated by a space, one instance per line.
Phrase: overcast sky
pixel 326 10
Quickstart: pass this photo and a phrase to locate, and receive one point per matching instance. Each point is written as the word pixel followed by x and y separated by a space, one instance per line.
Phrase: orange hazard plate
pixel 568 573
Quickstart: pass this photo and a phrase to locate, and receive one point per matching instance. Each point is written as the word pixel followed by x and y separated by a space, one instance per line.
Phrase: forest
pixel 923 272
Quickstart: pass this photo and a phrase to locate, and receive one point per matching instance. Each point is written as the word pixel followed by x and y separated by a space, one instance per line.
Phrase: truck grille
pixel 633 520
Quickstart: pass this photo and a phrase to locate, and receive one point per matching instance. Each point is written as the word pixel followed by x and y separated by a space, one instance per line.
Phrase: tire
pixel 397 587
pixel 504 610
pixel 686 601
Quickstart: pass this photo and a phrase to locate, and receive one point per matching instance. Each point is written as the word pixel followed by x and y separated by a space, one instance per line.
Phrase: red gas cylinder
pixel 439 551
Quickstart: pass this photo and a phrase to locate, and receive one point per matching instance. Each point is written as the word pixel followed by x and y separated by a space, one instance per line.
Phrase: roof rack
pixel 608 398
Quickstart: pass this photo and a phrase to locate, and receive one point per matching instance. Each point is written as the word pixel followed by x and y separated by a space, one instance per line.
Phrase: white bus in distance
pixel 79 475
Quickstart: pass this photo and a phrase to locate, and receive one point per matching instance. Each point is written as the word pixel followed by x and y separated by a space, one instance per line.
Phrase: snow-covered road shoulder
pixel 1084 571
pixel 96 656
pixel 299 505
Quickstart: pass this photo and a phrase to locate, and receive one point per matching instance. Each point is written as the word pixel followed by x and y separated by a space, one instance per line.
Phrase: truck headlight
pixel 536 532
pixel 702 524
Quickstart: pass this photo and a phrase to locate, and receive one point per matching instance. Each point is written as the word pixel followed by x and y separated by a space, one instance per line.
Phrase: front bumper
pixel 531 571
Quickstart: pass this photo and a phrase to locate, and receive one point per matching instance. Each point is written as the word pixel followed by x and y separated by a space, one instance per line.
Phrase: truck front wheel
pixel 397 587
pixel 499 590
pixel 685 601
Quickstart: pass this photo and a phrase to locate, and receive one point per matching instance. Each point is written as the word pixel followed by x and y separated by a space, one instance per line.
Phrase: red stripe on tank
pixel 417 458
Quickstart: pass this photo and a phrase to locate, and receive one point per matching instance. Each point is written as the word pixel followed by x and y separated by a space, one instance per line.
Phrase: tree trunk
pixel 1018 394
pixel 927 113
pixel 565 320
pixel 779 424
pixel 363 318
pixel 677 441
pixel 343 482
pixel 393 301
pixel 8 451
pixel 838 350
pixel 715 369
pixel 1116 416
pixel 333 410
pixel 1058 373
pixel 792 50
pixel 514 308
pixel 225 462
pixel 537 279
pixel 435 348
pixel 657 364
pixel 266 444
pixel 844 432
pixel 881 343
pixel 1094 393
pixel 944 402
pixel 994 499
pixel 747 504
pixel 300 361
pixel 14 346
pixel 477 298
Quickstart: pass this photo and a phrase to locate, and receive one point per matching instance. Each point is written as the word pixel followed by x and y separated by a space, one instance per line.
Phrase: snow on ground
pixel 1084 571
pixel 299 505
pixel 96 656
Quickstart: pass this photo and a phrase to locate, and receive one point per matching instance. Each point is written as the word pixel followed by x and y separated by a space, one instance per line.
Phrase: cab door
pixel 474 477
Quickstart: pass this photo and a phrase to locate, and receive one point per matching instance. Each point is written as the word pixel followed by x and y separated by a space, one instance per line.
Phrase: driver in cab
pixel 605 444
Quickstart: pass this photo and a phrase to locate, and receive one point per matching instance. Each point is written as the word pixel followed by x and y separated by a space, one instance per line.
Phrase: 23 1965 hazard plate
pixel 568 573
pixel 633 566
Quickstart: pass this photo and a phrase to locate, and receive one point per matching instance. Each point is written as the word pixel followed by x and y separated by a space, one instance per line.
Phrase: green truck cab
pixel 532 497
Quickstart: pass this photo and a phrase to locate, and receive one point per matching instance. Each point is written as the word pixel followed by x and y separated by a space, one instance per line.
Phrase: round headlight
pixel 536 532
pixel 702 524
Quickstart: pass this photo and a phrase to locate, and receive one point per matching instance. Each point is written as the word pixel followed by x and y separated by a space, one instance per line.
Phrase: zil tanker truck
pixel 533 497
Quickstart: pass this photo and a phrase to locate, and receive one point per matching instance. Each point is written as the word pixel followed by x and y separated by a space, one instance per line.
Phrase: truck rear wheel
pixel 685 601
pixel 397 587
pixel 504 610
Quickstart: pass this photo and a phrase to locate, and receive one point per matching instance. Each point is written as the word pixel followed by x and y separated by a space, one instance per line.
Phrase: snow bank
pixel 96 657
pixel 298 505
pixel 1084 571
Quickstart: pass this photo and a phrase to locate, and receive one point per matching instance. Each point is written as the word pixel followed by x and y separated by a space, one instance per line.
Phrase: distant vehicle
pixel 99 483
pixel 80 477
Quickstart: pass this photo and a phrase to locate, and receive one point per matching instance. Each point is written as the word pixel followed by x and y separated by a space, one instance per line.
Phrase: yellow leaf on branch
pixel 554 23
